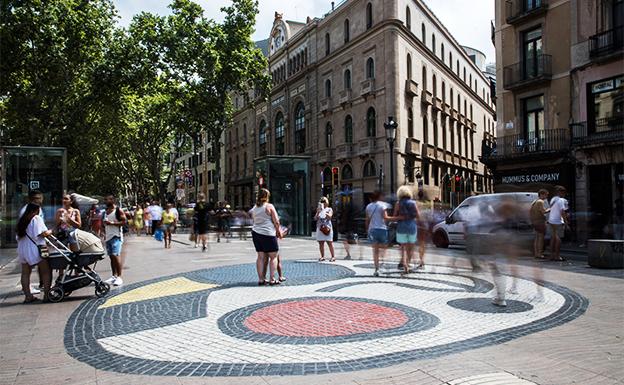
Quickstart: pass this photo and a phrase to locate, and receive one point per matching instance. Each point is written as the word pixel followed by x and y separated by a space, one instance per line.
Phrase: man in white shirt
pixel 557 220
pixel 36 197
pixel 114 219
pixel 155 212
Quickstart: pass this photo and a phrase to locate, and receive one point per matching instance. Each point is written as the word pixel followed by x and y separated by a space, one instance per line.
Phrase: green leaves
pixel 119 98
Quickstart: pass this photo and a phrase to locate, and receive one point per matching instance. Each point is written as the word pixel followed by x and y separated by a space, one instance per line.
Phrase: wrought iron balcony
pixel 606 43
pixel 519 145
pixel 526 72
pixel 604 131
pixel 520 10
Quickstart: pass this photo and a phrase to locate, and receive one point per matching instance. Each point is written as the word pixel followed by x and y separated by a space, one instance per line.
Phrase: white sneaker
pixel 34 290
pixel 111 280
pixel 196 245
pixel 118 281
pixel 499 302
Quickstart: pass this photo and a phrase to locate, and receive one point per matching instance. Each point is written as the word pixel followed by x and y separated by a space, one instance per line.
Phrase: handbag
pixel 325 229
pixel 44 252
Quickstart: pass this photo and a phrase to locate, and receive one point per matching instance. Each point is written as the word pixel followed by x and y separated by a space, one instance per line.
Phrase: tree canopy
pixel 118 98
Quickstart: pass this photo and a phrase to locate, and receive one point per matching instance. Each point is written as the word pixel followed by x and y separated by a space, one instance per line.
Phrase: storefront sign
pixel 34 184
pixel 531 178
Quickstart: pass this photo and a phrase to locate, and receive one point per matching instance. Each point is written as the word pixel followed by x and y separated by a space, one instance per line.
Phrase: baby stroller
pixel 77 269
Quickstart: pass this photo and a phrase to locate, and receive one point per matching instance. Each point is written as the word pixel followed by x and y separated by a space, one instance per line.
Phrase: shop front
pixel 24 169
pixel 287 178
pixel 532 179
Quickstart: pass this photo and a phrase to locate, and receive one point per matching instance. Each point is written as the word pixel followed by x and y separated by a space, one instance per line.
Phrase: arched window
pixel 443 91
pixel 328 135
pixel 408 18
pixel 369 15
pixel 410 123
pixel 464 74
pixel 347 32
pixel 370 68
pixel 457 67
pixel 262 138
pixel 435 86
pixel 300 132
pixel 451 98
pixel 347 172
pixel 451 60
pixel 369 169
pixel 442 51
pixel 327 88
pixel 471 116
pixel 279 134
pixel 327 44
pixel 409 66
pixel 348 125
pixel 371 123
pixel 424 78
pixel 423 33
pixel 347 79
pixel 433 43
pixel 470 81
pixel 425 129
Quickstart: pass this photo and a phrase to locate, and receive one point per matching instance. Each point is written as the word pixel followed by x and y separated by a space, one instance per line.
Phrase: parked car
pixel 452 230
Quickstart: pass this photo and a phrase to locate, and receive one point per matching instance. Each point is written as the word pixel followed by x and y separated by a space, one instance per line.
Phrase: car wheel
pixel 440 240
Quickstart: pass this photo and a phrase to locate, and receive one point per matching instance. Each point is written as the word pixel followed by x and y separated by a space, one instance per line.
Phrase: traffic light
pixel 335 181
pixel 452 189
pixel 457 183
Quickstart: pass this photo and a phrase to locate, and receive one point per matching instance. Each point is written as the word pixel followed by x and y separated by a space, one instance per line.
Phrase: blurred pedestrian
pixel 265 232
pixel 376 217
pixel 114 220
pixel 618 219
pixel 168 223
pixel 138 219
pixel 31 232
pixel 324 228
pixel 406 215
pixel 557 220
pixel 200 221
pixel 347 227
pixel 223 215
pixel 147 218
pixel 537 214
pixel 155 212
pixel 94 216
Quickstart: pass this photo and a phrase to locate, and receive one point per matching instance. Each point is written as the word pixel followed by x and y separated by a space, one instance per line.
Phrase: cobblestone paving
pixel 327 318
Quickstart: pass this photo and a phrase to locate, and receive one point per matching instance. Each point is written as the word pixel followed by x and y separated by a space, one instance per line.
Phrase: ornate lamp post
pixel 391 129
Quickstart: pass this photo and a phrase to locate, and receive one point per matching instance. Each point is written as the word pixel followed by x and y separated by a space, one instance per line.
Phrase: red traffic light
pixel 457 178
pixel 335 170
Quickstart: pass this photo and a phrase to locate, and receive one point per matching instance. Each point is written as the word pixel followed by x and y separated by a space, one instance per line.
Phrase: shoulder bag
pixel 44 252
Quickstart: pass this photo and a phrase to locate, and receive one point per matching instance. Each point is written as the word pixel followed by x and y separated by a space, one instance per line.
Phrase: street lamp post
pixel 391 129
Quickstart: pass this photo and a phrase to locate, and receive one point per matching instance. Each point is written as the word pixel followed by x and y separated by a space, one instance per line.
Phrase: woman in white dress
pixel 31 232
pixel 324 228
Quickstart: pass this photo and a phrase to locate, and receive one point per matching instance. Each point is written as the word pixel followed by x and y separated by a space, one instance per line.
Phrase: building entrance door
pixel 600 199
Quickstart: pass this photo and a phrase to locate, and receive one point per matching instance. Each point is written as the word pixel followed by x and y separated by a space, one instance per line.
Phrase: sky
pixel 467 20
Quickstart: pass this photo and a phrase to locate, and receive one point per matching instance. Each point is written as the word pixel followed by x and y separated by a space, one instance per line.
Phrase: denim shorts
pixel 113 246
pixel 378 235
pixel 405 238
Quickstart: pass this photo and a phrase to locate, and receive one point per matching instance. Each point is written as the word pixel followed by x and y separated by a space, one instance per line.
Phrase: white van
pixel 452 231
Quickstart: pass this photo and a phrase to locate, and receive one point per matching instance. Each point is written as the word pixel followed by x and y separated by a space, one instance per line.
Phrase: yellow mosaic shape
pixel 174 286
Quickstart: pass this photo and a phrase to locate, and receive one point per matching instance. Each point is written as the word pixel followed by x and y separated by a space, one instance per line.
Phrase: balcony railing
pixel 344 151
pixel 345 96
pixel 605 130
pixel 527 71
pixel 325 156
pixel 518 10
pixel 325 104
pixel 367 146
pixel 367 86
pixel 606 43
pixel 411 88
pixel 547 141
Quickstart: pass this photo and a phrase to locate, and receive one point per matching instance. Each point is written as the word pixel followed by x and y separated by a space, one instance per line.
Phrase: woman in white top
pixel 31 232
pixel 265 232
pixel 323 217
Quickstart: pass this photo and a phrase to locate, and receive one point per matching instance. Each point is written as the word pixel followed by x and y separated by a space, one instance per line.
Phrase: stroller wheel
pixel 101 289
pixel 56 294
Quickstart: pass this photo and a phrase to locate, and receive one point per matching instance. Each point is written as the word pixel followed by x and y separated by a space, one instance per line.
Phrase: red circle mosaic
pixel 324 318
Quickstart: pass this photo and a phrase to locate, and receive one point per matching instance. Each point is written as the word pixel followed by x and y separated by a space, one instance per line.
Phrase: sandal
pixel 540 257
pixel 282 279
pixel 262 283
pixel 31 300
pixel 322 259
pixel 274 282
pixel 333 259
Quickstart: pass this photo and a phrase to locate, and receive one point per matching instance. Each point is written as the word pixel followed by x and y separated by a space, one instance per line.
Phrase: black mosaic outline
pixel 81 344
pixel 485 305
pixel 232 324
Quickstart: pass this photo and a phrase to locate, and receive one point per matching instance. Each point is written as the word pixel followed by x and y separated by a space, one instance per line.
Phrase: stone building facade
pixel 560 104
pixel 337 79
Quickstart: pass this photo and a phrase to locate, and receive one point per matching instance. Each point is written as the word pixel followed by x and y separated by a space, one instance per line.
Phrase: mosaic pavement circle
pixel 326 318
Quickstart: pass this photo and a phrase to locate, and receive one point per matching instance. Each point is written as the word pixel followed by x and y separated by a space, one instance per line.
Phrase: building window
pixel 533 119
pixel 369 15
pixel 470 81
pixel 244 132
pixel 347 79
pixel 347 32
pixel 442 51
pixel 369 169
pixel 459 142
pixel 327 44
pixel 328 135
pixel 300 132
pixel 451 60
pixel 435 86
pixel 435 132
pixel 605 107
pixel 436 175
pixel 245 163
pixel 347 172
pixel 451 97
pixel 371 123
pixel 410 123
pixel 464 74
pixel 348 129
pixel 262 138
pixel 327 88
pixel 531 52
pixel 443 91
pixel 279 134
pixel 408 18
pixel 457 61
pixel 424 78
pixel 425 129
pixel 409 66
pixel 433 43
pixel 370 68
pixel 423 33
